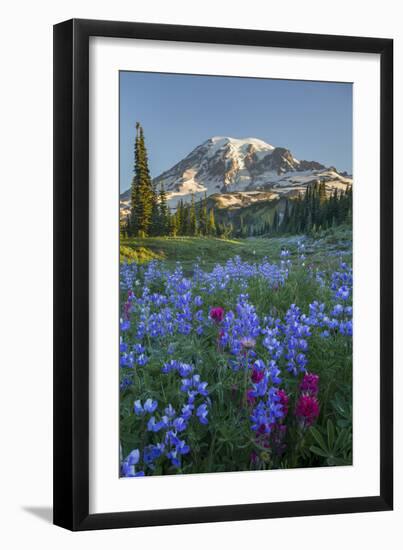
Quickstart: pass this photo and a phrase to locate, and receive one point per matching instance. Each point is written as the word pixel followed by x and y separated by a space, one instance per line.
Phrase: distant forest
pixel 308 212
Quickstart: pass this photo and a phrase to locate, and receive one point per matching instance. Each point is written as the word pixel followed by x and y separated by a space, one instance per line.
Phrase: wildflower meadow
pixel 236 364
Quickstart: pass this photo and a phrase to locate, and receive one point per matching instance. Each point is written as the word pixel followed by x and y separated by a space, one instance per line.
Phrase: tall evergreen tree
pixel 181 218
pixel 163 211
pixel 203 222
pixel 192 217
pixel 212 230
pixel 155 224
pixel 134 190
pixel 275 222
pixel 173 225
pixel 322 193
pixel 142 193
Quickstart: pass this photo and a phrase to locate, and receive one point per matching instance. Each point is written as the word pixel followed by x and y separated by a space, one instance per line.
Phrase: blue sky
pixel 178 112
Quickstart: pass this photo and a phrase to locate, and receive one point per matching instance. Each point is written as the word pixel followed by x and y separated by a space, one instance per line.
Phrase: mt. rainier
pixel 242 169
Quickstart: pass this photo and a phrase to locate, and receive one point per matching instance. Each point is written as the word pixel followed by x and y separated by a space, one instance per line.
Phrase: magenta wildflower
pixel 307 410
pixel 217 314
pixel 309 384
pixel 257 375
pixel 284 399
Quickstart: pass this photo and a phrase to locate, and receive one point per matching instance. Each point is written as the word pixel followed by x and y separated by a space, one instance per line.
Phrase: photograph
pixel 236 212
pixel 205 246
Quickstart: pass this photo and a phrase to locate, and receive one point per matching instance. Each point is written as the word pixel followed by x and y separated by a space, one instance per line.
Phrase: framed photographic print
pixel 223 274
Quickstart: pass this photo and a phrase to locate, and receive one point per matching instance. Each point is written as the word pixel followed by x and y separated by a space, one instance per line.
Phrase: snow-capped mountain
pixel 242 169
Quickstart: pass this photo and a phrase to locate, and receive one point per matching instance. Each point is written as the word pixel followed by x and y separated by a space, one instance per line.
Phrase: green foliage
pixel 343 409
pixel 332 444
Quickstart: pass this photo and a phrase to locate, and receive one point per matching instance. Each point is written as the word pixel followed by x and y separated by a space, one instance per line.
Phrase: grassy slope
pixel 321 250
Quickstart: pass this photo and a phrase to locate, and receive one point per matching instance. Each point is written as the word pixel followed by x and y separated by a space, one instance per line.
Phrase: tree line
pixel 311 211
pixel 315 210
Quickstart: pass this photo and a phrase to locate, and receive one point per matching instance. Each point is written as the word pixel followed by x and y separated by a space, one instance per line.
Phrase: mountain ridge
pixel 230 166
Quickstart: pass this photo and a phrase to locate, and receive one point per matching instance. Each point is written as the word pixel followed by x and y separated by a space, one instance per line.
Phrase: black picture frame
pixel 71 274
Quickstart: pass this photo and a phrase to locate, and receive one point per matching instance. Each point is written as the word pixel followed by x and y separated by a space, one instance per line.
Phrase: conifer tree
pixel 212 230
pixel 155 224
pixel 135 188
pixel 322 193
pixel 173 224
pixel 203 222
pixel 142 189
pixel 180 216
pixel 186 220
pixel 275 222
pixel 192 218
pixel 163 211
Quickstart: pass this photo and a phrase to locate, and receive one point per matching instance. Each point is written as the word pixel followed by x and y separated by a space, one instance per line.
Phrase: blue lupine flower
pixel 171 349
pixel 346 328
pixel 202 412
pixel 171 438
pixel 337 310
pixel 170 411
pixel 187 411
pixel 142 360
pixel 122 346
pixel 192 396
pixel 199 316
pixel 186 384
pixel 180 424
pixel 124 325
pixel 182 448
pixel 152 452
pixel 198 301
pixel 174 458
pixel 201 388
pixel 169 366
pixel 348 310
pixel 138 349
pixel 138 408
pixel 128 468
pixel 154 426
pixel 343 293
pixel 150 405
pixel 266 413
pixel 185 369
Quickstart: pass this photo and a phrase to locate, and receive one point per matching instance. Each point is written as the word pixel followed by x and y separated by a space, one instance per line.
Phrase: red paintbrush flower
pixel 284 399
pixel 307 410
pixel 217 314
